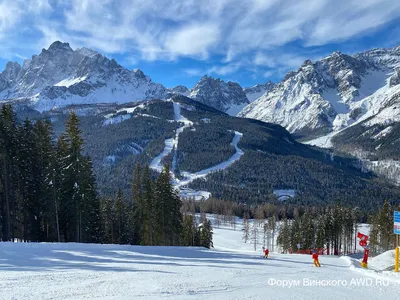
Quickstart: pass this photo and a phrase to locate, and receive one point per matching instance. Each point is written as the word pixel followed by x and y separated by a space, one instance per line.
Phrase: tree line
pixel 47 189
pixel 48 194
pixel 335 231
pixel 331 227
pixel 382 237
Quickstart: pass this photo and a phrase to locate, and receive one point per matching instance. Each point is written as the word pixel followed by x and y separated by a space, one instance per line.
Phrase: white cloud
pixel 194 72
pixel 225 69
pixel 172 29
pixel 15 18
pixel 193 40
pixel 353 18
pixel 268 74
pixel 220 70
pixel 282 60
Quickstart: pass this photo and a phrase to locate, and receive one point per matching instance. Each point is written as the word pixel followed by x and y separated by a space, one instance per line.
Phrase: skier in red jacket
pixel 266 252
pixel 315 258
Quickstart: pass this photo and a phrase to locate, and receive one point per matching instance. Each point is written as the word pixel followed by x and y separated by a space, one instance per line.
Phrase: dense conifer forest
pixel 48 193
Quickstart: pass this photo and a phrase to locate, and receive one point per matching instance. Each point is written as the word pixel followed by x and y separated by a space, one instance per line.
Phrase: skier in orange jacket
pixel 315 258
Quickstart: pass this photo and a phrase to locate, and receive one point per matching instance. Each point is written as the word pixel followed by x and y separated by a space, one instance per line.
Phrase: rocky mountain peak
pixel 139 73
pixel 60 76
pixel 11 71
pixel 86 52
pixel 59 46
pixel 228 97
pixel 307 62
pixel 255 92
pixel 180 90
pixel 323 96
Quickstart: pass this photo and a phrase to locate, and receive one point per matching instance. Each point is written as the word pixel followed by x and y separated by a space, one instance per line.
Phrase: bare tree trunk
pixel 6 191
pixel 57 224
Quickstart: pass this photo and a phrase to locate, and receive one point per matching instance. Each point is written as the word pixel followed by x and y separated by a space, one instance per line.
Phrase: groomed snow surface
pixel 233 270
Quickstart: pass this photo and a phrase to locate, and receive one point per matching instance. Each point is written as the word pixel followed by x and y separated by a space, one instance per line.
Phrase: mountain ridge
pixel 329 94
pixel 61 76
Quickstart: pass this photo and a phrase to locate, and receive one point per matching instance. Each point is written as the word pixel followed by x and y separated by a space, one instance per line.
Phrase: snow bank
pixel 382 262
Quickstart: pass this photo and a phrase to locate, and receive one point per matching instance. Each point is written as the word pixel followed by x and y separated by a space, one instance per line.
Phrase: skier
pixel 315 258
pixel 266 252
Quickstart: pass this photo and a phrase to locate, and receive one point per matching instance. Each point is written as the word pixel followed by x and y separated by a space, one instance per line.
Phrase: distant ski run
pixel 189 177
pixel 172 143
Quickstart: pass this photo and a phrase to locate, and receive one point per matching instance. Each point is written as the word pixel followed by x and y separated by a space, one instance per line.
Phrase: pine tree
pixel 259 215
pixel 119 219
pixel 246 228
pixel 320 233
pixel 337 228
pixel 188 231
pixel 295 234
pixel 385 220
pixel 138 205
pixel 79 206
pixel 48 177
pixel 307 231
pixel 206 234
pixel 8 155
pixel 254 235
pixel 167 206
pixel 64 190
pixel 272 228
pixel 108 220
pixel 329 230
pixel 149 222
pixel 374 234
pixel 265 232
pixel 284 239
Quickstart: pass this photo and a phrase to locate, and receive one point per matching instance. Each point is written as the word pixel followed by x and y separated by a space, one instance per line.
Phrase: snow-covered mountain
pixel 60 76
pixel 179 90
pixel 255 92
pixel 227 97
pixel 333 93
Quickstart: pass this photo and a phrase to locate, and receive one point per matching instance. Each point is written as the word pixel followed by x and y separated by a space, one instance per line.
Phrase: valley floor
pixel 230 271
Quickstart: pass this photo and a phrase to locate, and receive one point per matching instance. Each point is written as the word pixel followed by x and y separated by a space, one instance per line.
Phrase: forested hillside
pixel 120 136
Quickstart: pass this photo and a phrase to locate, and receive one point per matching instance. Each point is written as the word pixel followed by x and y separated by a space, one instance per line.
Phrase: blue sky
pixel 176 42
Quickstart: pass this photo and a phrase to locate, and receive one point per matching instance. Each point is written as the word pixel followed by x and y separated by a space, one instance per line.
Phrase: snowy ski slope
pixel 230 271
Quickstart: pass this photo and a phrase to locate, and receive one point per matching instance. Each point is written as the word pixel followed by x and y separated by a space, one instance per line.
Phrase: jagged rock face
pixel 395 79
pixel 227 97
pixel 180 90
pixel 329 94
pixel 60 76
pixel 255 92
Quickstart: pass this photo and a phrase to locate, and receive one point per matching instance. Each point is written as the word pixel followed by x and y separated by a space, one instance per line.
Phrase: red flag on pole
pixel 363 239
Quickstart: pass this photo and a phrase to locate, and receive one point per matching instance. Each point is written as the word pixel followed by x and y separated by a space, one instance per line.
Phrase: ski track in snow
pixel 156 162
pixel 189 177
pixel 172 143
pixel 232 270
